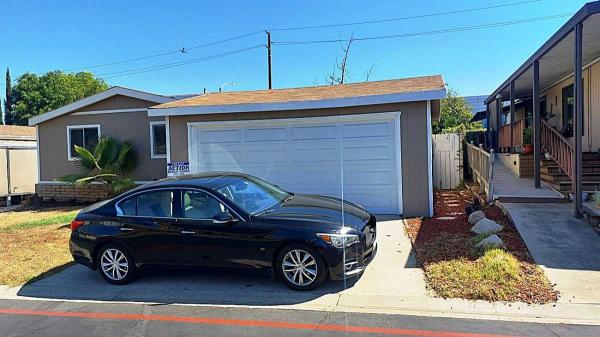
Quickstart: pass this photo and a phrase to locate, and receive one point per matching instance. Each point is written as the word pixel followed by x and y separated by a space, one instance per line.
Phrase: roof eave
pixel 425 95
pixel 586 11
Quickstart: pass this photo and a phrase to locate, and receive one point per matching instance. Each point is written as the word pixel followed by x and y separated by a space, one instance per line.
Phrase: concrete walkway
pixel 568 249
pixel 392 284
pixel 508 185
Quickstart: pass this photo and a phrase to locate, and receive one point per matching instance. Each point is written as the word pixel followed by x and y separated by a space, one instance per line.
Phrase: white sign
pixel 178 168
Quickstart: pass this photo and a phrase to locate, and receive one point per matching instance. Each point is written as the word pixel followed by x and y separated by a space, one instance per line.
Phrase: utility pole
pixel 269 57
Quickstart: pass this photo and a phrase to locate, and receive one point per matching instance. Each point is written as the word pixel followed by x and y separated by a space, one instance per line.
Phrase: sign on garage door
pixel 355 157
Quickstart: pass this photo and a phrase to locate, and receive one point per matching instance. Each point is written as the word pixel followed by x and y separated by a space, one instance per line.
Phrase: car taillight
pixel 75 224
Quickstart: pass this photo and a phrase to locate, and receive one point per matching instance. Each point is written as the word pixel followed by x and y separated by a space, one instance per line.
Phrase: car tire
pixel 115 264
pixel 307 275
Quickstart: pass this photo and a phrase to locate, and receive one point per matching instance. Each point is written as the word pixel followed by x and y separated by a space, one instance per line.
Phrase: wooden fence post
pixel 491 177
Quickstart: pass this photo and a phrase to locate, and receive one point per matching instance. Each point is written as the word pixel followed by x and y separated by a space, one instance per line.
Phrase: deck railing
pixel 482 166
pixel 517 135
pixel 558 147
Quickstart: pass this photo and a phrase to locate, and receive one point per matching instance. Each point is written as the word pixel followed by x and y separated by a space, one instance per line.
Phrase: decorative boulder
pixel 490 242
pixel 486 226
pixel 476 216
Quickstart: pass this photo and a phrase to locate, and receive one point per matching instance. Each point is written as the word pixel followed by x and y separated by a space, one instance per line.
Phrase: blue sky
pixel 42 36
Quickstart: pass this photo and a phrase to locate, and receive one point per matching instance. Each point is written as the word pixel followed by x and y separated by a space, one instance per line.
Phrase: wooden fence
pixel 447 156
pixel 504 141
pixel 482 166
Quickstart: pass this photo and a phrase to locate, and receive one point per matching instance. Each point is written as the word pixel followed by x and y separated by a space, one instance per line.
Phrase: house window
pixel 86 136
pixel 568 103
pixel 158 140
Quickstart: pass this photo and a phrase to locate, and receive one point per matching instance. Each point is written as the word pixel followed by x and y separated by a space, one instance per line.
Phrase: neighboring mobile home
pixel 541 96
pixel 18 161
pixel 369 143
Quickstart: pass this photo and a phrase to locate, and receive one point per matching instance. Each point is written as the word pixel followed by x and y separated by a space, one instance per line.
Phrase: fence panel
pixel 447 156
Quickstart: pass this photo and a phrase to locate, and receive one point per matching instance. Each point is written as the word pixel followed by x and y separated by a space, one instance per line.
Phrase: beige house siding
pixel 131 126
pixel 414 141
pixel 591 105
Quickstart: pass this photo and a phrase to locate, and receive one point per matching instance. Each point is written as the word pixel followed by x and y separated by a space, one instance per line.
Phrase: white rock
pixel 486 226
pixel 476 216
pixel 491 242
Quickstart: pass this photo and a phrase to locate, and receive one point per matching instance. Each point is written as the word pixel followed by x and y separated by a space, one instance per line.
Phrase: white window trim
pixel 82 126
pixel 152 154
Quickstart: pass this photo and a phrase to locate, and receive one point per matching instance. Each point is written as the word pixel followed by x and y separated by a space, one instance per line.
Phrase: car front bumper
pixel 351 262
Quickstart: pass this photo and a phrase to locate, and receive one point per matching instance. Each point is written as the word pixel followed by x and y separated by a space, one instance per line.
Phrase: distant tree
pixel 34 95
pixel 8 120
pixel 455 115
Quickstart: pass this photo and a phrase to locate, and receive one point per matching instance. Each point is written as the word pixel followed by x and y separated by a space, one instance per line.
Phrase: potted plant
pixel 527 146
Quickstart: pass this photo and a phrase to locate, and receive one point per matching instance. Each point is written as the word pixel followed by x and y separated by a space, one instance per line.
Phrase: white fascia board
pixel 97 98
pixel 300 105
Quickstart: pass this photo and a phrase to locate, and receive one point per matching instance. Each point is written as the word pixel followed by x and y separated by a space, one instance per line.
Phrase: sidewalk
pixel 392 284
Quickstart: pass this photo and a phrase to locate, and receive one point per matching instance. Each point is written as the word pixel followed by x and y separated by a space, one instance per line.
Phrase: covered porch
pixel 546 116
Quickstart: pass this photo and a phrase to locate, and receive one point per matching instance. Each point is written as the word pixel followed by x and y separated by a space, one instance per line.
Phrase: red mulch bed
pixel 448 204
pixel 447 236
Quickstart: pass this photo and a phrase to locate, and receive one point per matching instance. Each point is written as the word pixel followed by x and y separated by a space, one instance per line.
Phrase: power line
pixel 178 51
pixel 175 64
pixel 431 32
pixel 405 17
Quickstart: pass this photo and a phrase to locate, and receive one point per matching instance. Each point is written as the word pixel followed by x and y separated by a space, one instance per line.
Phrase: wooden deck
pixel 510 188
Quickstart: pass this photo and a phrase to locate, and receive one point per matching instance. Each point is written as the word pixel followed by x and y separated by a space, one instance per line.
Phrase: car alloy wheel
pixel 299 267
pixel 114 264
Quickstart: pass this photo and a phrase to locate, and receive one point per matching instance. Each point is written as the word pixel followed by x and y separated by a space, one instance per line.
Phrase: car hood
pixel 305 208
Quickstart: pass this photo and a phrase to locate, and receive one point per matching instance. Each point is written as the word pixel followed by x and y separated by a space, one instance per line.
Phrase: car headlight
pixel 339 240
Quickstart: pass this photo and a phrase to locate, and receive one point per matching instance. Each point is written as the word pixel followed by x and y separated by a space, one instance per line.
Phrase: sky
pixel 40 36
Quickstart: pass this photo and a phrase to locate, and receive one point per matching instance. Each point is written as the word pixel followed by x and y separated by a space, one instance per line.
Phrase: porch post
pixel 537 121
pixel 498 114
pixel 578 117
pixel 488 128
pixel 512 114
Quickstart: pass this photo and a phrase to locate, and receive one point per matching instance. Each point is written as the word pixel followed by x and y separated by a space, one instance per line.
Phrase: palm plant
pixel 110 161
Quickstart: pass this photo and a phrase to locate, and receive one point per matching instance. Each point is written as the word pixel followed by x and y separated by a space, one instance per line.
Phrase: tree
pixel 8 120
pixel 333 78
pixel 109 164
pixel 34 95
pixel 455 115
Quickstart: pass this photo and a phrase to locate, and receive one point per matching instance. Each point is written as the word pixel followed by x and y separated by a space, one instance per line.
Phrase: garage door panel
pixel 367 130
pixel 307 157
pixel 220 136
pixel 314 132
pixel 262 135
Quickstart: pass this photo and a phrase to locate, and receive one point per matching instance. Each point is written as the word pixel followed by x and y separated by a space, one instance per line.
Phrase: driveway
pixel 393 271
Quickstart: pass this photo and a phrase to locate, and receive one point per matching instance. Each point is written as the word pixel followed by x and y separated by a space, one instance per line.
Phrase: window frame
pixel 153 155
pixel 174 206
pixel 70 156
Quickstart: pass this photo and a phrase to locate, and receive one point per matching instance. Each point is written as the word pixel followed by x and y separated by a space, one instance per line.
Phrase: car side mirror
pixel 223 218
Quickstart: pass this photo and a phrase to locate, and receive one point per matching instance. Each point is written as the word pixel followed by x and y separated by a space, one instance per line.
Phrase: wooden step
pixel 555 169
pixel 565 186
pixel 591 177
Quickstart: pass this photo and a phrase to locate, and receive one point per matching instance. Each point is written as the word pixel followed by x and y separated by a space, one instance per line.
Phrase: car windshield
pixel 252 194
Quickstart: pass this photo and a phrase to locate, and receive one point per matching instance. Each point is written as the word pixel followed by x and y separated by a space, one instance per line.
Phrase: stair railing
pixel 558 147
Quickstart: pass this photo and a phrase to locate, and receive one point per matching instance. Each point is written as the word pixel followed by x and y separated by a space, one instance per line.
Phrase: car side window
pixel 129 206
pixel 155 204
pixel 201 205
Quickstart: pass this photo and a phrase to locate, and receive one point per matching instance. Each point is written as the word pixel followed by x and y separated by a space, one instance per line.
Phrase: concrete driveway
pixel 393 271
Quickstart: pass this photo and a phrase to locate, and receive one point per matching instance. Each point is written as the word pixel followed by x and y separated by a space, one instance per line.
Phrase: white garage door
pixel 356 156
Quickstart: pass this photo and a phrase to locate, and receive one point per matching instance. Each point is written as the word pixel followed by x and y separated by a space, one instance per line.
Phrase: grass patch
pixel 50 220
pixel 35 243
pixel 495 276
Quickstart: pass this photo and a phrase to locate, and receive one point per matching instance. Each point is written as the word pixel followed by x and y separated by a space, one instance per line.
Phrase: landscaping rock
pixel 476 216
pixel 493 241
pixel 486 226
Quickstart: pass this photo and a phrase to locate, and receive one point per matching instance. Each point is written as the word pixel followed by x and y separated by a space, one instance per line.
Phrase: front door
pixel 207 243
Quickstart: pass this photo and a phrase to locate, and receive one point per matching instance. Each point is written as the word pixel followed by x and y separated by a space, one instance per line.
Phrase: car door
pixel 148 226
pixel 204 242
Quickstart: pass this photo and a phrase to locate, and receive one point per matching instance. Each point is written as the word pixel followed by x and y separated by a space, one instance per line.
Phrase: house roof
pixel 110 92
pixel 366 93
pixel 15 132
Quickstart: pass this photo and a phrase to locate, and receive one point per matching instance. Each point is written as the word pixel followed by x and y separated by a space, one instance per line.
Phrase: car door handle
pixel 126 229
pixel 188 232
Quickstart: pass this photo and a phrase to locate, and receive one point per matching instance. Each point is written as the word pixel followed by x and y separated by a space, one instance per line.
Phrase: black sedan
pixel 225 220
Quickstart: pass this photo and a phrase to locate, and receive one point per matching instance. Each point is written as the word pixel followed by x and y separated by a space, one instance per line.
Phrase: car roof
pixel 207 180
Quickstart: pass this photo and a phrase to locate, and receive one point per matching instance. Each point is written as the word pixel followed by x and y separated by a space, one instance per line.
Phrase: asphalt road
pixel 77 319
